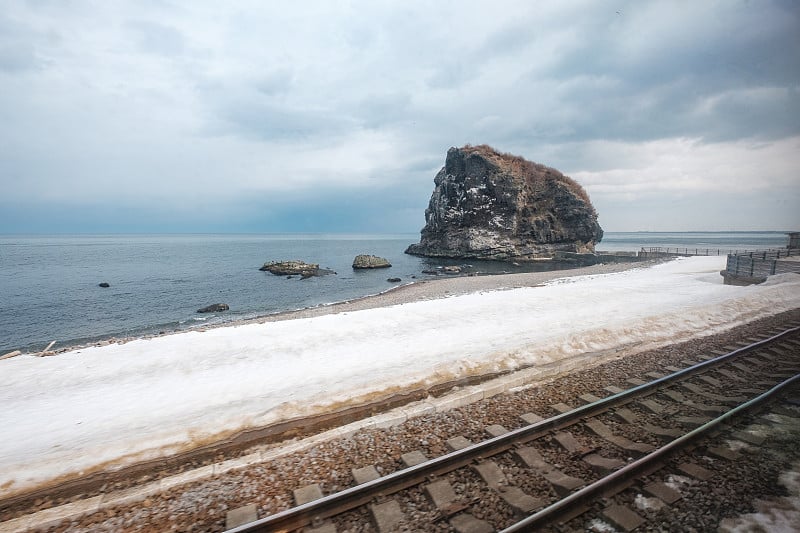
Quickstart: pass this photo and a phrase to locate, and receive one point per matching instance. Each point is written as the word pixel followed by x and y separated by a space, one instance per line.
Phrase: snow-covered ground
pixel 113 404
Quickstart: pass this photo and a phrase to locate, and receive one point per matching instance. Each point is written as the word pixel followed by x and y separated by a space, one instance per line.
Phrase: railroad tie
pixel 614 389
pixel 733 347
pixel 307 494
pixel 674 395
pixel 636 449
pixel 561 408
pixel 779 375
pixel 562 483
pixel 652 406
pixel 786 348
pixel 457 443
pixel 466 523
pixel 696 471
pixel 765 383
pixel 531 418
pixel 779 351
pixel 692 421
pixel 702 407
pixel 603 465
pixel 655 375
pixel 663 492
pixel 441 494
pixel 623 414
pixel 781 419
pixel 748 437
pixel 700 391
pixel 730 375
pixel 635 381
pixel 758 360
pixel 664 434
pixel 750 390
pixel 743 367
pixel 711 381
pixel 522 503
pixel 365 474
pixel 241 516
pixel 568 442
pixel 706 408
pixel 444 498
pixel 721 452
pixel 413 458
pixel 589 398
pixel 495 430
pixel 622 517
pixel 672 368
pixel 387 516
pixel 785 411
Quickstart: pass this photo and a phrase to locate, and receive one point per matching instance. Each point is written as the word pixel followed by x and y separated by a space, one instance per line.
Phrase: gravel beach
pixel 444 287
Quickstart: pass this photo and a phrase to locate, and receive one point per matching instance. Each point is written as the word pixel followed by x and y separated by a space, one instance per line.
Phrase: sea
pixel 50 291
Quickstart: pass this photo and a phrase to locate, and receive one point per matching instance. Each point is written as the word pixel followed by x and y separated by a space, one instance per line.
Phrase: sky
pixel 320 116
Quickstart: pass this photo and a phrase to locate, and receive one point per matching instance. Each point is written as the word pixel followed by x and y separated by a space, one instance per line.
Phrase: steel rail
pixel 350 498
pixel 622 478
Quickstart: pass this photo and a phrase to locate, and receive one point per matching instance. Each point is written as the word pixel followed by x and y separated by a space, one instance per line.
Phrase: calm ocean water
pixel 49 284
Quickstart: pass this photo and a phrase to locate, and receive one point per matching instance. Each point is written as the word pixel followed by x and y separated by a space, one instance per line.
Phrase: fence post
pixel 752 264
pixel 774 264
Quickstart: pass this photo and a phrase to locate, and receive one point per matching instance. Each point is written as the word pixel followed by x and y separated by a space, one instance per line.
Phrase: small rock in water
pixel 214 308
pixel 104 284
pixel 394 280
pixel 364 261
pixel 294 268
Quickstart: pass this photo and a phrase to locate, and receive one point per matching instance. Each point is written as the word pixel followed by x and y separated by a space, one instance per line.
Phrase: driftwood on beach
pixel 44 352
pixel 9 355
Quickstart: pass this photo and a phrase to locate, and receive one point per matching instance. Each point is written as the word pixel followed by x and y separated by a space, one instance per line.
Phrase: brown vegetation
pixel 535 175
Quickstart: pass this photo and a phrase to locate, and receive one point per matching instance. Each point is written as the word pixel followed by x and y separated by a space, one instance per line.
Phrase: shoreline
pixel 416 291
pixel 444 287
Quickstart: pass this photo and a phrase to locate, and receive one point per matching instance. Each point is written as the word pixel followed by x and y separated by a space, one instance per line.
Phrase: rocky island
pixel 492 205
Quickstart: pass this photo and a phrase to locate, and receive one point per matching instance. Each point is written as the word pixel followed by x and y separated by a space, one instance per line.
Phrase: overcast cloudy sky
pixel 335 116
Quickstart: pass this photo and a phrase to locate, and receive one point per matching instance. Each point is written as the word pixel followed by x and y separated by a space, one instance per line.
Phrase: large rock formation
pixel 491 205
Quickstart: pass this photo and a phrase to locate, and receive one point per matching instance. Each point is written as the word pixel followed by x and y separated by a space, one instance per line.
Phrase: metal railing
pixel 772 253
pixel 760 265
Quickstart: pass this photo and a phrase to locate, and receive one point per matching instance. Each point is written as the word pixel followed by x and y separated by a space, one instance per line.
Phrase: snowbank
pixel 114 403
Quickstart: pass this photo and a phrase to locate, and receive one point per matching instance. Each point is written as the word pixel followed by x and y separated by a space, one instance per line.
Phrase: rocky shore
pixel 430 289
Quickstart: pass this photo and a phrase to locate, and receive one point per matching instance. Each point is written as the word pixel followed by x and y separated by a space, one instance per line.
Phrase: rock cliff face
pixel 490 205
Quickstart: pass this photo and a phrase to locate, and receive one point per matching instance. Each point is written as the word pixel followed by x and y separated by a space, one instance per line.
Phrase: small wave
pixel 200 318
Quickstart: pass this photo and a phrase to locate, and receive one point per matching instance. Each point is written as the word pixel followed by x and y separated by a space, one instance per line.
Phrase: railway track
pixel 555 465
